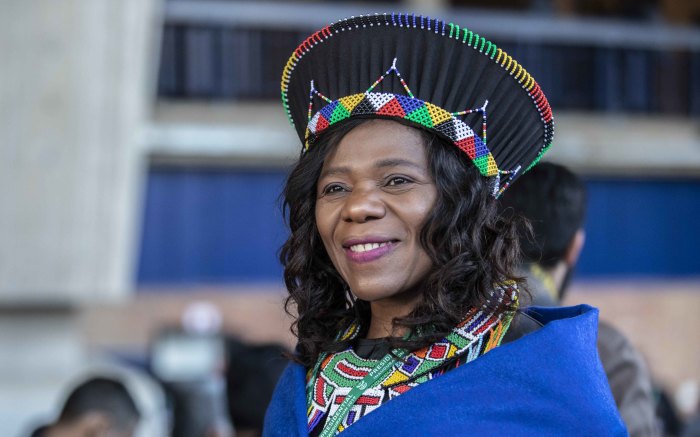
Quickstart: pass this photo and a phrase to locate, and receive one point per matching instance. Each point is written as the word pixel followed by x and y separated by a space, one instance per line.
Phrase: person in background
pixel 251 376
pixel 98 407
pixel 553 199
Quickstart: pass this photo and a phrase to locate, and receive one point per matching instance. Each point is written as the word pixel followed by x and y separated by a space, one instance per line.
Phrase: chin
pixel 379 292
pixel 370 295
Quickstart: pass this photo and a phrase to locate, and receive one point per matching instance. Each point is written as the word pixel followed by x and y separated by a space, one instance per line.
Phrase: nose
pixel 362 205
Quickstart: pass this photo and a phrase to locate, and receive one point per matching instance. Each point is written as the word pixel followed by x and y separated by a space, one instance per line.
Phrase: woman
pixel 400 271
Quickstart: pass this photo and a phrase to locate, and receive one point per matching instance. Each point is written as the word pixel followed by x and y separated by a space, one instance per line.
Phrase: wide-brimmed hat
pixel 427 72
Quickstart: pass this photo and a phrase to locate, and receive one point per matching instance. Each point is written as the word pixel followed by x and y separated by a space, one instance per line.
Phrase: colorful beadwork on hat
pixel 508 157
pixel 408 108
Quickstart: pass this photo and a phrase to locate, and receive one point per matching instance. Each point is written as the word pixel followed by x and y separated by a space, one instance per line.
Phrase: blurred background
pixel 143 148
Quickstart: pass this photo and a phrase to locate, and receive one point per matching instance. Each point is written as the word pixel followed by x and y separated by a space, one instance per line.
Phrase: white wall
pixel 76 88
pixel 75 85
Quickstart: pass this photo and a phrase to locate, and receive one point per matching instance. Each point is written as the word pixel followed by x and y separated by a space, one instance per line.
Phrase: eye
pixel 333 189
pixel 397 180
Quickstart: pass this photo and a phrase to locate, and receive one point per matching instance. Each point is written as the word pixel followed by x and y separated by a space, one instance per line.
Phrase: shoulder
pixel 618 355
pixel 553 367
pixel 576 325
pixel 629 380
pixel 566 334
pixel 611 340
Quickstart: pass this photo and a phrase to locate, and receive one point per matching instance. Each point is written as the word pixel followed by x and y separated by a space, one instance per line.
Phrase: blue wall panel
pixel 211 226
pixel 642 228
pixel 215 226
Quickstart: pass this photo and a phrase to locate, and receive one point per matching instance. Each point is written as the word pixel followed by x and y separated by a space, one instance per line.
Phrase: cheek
pixel 422 210
pixel 324 225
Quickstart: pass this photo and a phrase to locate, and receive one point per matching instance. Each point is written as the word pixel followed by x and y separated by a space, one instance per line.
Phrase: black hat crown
pixel 449 68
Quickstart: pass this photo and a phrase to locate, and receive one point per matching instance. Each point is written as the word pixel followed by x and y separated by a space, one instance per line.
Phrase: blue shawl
pixel 547 383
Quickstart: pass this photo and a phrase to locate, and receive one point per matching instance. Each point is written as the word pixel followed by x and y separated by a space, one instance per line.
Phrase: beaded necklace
pixel 333 378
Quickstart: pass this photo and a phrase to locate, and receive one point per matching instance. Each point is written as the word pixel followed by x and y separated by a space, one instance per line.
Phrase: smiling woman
pixel 400 271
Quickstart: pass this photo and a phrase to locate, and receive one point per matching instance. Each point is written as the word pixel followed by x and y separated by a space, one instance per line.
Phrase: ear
pixel 575 247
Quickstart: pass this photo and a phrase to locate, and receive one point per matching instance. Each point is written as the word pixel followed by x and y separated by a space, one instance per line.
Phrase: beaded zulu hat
pixel 426 72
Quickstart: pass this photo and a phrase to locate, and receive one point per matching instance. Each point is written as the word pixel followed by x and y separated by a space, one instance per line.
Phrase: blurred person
pixel 98 407
pixel 553 199
pixel 401 272
pixel 251 377
pixel 191 366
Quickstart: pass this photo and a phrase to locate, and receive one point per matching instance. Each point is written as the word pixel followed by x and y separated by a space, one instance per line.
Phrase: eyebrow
pixel 390 162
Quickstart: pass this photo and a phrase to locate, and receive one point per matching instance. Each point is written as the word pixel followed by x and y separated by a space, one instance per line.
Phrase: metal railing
pixel 233 50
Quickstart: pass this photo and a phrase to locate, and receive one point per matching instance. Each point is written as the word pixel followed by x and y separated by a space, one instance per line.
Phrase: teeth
pixel 366 247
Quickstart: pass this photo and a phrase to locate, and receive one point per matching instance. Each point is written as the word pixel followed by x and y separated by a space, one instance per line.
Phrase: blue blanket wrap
pixel 547 383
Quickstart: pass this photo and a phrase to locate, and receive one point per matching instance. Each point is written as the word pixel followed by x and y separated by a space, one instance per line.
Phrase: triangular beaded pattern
pixel 406 107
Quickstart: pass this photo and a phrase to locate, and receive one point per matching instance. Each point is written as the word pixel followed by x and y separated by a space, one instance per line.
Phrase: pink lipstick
pixel 368 249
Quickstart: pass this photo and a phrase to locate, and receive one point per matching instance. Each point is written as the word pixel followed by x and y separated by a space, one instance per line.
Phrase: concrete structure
pixel 76 85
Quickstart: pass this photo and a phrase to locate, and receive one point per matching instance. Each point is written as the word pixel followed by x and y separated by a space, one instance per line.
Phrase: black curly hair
pixel 471 245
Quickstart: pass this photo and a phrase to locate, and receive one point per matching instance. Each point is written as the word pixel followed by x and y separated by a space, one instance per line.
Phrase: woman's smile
pixel 364 250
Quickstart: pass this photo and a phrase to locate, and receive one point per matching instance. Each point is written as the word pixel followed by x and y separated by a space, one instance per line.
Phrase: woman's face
pixel 374 194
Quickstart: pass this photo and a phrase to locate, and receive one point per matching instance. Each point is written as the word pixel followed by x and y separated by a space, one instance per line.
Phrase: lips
pixel 367 249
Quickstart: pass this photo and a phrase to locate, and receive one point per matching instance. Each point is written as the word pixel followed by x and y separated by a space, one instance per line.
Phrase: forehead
pixel 378 140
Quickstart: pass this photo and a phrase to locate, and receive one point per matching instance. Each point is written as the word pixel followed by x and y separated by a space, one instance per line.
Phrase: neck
pixel 557 274
pixel 383 314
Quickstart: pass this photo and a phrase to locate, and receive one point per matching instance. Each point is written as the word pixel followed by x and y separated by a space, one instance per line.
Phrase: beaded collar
pixel 481 331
